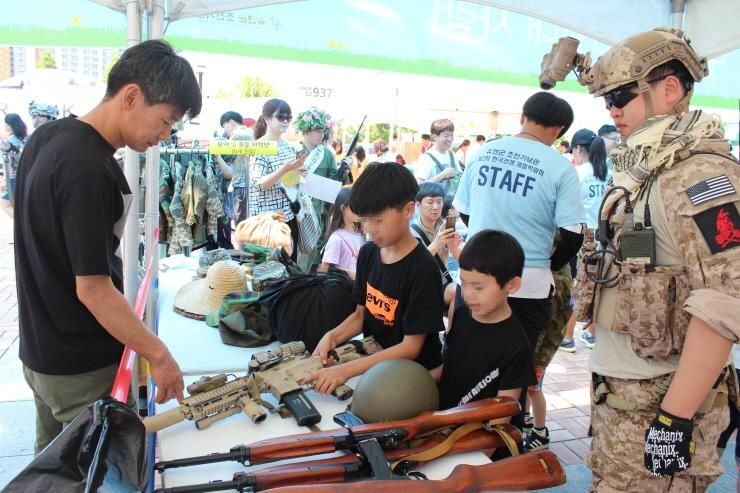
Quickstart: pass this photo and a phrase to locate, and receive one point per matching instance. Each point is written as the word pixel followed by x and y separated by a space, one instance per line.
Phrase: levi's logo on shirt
pixel 380 306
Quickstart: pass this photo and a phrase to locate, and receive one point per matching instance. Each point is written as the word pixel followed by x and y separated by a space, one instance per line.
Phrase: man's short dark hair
pixel 162 75
pixel 480 138
pixel 231 115
pixel 430 189
pixel 548 110
pixel 382 186
pixel 493 253
pixel 426 137
pixel 442 125
pixel 673 67
pixel 564 143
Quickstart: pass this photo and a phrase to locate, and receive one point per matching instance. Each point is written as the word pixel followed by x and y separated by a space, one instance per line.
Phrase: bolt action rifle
pixel 534 470
pixel 388 434
pixel 280 371
pixel 348 467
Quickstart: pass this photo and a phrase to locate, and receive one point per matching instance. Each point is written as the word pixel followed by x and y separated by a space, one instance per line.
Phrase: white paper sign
pixel 321 188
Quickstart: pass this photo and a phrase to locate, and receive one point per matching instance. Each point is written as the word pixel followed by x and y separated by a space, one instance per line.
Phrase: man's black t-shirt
pixel 481 359
pixel 71 204
pixel 402 298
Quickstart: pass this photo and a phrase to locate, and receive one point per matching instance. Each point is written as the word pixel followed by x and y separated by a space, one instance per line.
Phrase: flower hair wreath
pixel 312 119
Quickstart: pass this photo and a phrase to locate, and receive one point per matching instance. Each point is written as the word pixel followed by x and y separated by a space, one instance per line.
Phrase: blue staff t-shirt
pixel 524 188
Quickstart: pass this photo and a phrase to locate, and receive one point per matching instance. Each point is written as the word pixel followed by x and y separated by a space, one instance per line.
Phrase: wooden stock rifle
pixel 348 467
pixel 388 435
pixel 534 470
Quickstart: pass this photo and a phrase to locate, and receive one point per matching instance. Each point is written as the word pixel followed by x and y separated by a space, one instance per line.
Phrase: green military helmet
pixel 634 58
pixel 394 389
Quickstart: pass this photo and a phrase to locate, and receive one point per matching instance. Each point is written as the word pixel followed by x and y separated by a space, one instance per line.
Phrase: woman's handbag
pixel 308 226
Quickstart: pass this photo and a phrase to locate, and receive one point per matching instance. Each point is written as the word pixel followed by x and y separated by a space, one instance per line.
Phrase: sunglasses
pixel 621 97
pixel 283 118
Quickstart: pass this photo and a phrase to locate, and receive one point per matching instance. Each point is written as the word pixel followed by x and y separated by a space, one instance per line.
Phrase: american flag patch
pixel 719 186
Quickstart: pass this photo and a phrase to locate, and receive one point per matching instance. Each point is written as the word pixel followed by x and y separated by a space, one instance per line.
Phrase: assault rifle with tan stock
pixel 277 372
pixel 534 470
pixel 351 467
pixel 388 435
pixel 280 371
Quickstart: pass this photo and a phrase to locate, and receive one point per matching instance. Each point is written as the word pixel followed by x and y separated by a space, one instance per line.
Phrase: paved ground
pixel 566 388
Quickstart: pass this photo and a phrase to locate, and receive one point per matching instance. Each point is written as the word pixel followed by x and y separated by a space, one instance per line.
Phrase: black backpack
pixel 305 307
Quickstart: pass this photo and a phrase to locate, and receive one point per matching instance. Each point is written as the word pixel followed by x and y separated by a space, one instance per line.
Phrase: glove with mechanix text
pixel 668 444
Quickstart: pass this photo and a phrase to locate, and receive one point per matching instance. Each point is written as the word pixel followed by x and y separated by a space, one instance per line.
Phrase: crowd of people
pixel 644 217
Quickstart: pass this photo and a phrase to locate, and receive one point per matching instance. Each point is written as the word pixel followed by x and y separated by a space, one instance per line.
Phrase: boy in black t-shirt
pixel 486 350
pixel 397 288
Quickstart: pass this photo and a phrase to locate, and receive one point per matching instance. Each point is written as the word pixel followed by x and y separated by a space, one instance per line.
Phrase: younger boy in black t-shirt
pixel 397 288
pixel 486 350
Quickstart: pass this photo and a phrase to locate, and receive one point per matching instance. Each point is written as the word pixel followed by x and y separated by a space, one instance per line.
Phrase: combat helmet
pixel 634 58
pixel 394 389
pixel 40 109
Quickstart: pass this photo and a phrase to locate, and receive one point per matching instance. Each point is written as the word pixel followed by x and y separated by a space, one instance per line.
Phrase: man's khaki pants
pixel 60 398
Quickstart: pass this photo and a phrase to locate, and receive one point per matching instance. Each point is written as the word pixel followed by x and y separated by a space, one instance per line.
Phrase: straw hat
pixel 205 295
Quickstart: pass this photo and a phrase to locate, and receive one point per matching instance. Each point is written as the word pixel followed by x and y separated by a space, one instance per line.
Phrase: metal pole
pixel 151 215
pixel 131 170
pixel 677 10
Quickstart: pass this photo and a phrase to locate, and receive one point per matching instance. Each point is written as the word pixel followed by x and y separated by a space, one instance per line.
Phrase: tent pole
pixel 132 172
pixel 677 11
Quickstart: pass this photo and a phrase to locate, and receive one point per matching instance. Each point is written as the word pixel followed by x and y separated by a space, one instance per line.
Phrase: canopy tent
pixel 710 24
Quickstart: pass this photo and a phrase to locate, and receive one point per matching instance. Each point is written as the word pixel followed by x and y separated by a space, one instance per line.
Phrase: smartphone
pixel 450 222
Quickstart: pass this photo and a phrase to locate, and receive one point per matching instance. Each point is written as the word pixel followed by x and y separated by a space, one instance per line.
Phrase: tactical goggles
pixel 621 97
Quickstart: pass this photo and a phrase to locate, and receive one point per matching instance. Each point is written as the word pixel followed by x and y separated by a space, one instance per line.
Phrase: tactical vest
pixel 649 299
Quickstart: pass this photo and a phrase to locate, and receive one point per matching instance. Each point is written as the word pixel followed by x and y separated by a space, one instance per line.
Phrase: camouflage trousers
pixel 560 311
pixel 616 455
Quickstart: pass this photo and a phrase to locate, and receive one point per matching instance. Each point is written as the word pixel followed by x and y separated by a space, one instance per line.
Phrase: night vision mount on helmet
pixel 626 62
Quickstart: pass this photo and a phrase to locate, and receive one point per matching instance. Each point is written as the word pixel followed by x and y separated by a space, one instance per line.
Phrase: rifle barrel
pixel 530 471
pixel 389 433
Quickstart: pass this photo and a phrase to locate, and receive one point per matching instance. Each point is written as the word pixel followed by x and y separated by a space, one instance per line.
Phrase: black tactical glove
pixel 668 444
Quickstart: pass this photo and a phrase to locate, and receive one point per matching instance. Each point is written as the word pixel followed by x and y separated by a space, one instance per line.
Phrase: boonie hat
pixel 198 298
pixel 583 137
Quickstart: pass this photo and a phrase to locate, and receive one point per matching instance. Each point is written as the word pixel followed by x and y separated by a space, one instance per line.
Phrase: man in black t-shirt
pixel 397 288
pixel 72 202
pixel 486 350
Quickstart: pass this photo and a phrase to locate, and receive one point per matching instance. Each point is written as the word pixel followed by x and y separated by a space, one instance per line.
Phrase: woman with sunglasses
pixel 268 174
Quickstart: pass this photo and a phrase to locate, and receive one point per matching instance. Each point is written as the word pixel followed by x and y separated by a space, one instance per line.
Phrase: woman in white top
pixel 589 155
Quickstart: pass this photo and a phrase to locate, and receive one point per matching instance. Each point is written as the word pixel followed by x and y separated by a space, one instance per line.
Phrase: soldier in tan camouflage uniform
pixel 655 429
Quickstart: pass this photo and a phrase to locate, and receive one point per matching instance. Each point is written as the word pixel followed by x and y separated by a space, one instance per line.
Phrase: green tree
pixel 46 60
pixel 222 93
pixel 113 59
pixel 254 87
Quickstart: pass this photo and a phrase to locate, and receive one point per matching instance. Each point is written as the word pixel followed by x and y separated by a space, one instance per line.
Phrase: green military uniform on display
pixel 685 185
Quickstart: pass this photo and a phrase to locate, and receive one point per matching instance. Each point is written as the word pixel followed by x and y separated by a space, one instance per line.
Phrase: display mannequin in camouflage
pixel 655 429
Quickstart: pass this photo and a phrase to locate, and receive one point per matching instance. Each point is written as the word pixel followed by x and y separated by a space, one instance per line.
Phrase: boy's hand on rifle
pixel 326 379
pixel 325 345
